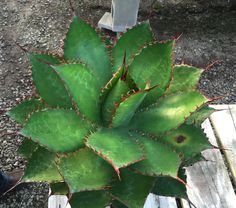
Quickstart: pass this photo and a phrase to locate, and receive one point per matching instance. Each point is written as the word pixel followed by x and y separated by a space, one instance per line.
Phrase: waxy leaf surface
pixel 199 116
pixel 159 158
pixel 59 188
pixel 41 167
pixel 153 64
pixel 21 111
pixel 188 140
pixel 119 90
pixel 112 82
pixel 127 108
pixel 58 130
pixel 26 148
pixel 82 43
pixel 116 147
pixel 47 82
pixel 131 42
pixel 83 86
pixel 118 204
pixel 90 199
pixel 133 188
pixel 171 187
pixel 195 159
pixel 170 112
pixel 85 171
pixel 185 78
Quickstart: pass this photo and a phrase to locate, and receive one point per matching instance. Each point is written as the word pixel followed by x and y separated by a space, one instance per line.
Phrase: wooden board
pixel 233 113
pixel 57 201
pixel 224 126
pixel 209 182
pixel 154 201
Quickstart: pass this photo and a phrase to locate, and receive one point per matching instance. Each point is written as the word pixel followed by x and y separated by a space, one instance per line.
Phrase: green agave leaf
pixel 47 82
pixel 159 158
pixel 83 87
pixel 41 167
pixel 185 78
pixel 117 204
pixel 85 171
pixel 112 93
pixel 116 147
pixel 131 42
pixel 133 188
pixel 82 43
pixel 90 199
pixel 168 186
pixel 58 130
pixel 21 111
pixel 153 64
pixel 188 140
pixel 59 188
pixel 199 116
pixel 119 90
pixel 27 148
pixel 110 85
pixel 170 112
pixel 196 158
pixel 126 109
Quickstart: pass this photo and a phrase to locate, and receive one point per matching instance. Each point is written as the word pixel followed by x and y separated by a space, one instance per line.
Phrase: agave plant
pixel 112 123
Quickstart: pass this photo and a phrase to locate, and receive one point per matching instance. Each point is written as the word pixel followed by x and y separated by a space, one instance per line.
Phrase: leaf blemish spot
pixel 180 139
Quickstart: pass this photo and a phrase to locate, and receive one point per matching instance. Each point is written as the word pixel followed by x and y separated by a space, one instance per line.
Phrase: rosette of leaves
pixel 112 123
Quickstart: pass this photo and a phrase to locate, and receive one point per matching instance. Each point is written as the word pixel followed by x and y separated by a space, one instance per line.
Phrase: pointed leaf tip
pixel 41 167
pixel 82 43
pixel 83 87
pixel 159 158
pixel 47 82
pixel 135 38
pixel 152 61
pixel 170 112
pixel 126 109
pixel 21 111
pixel 199 116
pixel 116 147
pixel 171 187
pixel 27 148
pixel 185 78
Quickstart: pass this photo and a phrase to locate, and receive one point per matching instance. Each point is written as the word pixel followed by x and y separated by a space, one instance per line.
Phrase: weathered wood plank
pixel 57 201
pixel 154 201
pixel 232 109
pixel 209 182
pixel 220 107
pixel 224 127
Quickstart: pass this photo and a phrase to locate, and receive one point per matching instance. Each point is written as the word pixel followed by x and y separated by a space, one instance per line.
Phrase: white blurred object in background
pixel 123 15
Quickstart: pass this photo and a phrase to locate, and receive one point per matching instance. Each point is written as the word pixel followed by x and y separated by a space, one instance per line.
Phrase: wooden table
pixel 211 183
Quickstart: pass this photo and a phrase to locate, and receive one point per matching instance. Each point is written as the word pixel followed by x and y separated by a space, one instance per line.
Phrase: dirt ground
pixel 208 35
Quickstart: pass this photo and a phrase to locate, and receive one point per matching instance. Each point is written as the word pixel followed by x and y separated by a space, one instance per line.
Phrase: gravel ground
pixel 208 35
